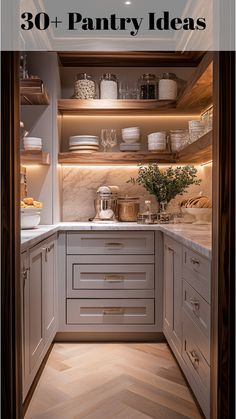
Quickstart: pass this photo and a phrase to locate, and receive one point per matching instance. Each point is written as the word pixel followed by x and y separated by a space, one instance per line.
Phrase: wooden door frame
pixel 11 401
pixel 223 353
pixel 223 246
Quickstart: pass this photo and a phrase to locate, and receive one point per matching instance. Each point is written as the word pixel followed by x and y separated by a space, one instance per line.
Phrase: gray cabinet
pixel 172 316
pixel 39 306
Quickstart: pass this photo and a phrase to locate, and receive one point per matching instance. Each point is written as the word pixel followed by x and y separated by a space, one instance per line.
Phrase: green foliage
pixel 165 184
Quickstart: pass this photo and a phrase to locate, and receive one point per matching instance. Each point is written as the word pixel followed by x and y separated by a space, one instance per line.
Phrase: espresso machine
pixel 106 204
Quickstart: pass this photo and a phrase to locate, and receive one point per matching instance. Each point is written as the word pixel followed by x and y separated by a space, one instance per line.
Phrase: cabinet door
pixel 36 308
pixel 50 288
pixel 173 292
pixel 25 319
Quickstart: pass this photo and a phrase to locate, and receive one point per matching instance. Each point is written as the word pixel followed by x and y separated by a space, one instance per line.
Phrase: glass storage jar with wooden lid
pixel 128 208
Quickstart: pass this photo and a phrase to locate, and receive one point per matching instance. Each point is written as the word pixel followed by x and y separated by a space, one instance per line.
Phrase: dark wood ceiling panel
pixel 130 59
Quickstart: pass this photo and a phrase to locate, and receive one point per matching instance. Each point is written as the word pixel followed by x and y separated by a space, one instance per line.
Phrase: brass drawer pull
pixel 114 245
pixel 114 278
pixel 195 303
pixel 113 310
pixel 194 359
pixel 195 261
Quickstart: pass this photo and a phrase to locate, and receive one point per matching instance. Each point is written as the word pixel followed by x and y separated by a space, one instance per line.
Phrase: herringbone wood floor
pixel 112 381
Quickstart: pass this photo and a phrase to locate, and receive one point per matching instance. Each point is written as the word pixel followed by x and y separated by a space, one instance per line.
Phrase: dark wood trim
pixel 130 59
pixel 10 235
pixel 223 275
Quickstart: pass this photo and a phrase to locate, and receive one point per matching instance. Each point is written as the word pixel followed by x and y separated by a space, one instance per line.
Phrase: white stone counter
pixel 196 237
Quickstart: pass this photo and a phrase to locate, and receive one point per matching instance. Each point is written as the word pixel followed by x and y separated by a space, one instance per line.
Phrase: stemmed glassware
pixel 105 138
pixel 112 138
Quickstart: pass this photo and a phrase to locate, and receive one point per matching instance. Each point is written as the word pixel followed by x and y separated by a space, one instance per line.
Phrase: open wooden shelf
pixel 35 157
pixel 119 158
pixel 109 105
pixel 33 92
pixel 198 152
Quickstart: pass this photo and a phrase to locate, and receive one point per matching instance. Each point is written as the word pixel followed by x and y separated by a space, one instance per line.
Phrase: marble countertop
pixel 196 237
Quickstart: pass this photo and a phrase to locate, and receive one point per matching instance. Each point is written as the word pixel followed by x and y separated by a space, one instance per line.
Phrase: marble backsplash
pixel 79 186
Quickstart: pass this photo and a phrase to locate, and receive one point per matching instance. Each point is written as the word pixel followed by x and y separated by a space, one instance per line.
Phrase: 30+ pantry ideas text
pixel 133 24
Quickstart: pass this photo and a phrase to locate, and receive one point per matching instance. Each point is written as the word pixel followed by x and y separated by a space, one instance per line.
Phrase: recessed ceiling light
pixel 127 3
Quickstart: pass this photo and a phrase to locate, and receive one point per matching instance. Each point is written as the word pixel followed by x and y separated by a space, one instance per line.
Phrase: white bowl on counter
pixel 30 218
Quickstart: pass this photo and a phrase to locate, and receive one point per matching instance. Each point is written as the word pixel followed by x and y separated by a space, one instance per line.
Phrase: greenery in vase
pixel 167 183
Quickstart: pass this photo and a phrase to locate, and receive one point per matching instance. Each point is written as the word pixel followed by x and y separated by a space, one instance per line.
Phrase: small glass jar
pixel 109 86
pixel 128 209
pixel 147 86
pixel 168 86
pixel 85 87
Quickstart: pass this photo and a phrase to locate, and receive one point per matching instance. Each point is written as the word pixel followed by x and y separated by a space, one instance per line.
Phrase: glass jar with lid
pixel 167 86
pixel 109 86
pixel 128 208
pixel 147 86
pixel 85 87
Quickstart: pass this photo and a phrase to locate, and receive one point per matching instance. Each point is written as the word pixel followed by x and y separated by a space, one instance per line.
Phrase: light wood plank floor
pixel 112 381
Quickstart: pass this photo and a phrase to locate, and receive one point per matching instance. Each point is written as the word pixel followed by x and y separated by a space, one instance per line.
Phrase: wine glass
pixel 105 138
pixel 112 139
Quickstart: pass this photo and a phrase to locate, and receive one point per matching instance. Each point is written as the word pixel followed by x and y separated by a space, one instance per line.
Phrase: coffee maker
pixel 106 204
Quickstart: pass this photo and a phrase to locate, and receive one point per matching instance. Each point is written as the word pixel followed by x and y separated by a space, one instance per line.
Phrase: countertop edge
pixel 36 236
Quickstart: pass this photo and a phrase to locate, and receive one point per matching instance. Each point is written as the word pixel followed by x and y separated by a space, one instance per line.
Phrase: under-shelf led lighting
pixel 128 3
pixel 207 163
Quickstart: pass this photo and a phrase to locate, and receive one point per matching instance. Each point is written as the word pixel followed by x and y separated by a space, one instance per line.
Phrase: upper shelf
pixel 108 105
pixel 196 97
pixel 33 92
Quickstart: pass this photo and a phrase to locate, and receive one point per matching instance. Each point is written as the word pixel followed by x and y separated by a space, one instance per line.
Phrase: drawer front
pixel 202 342
pixel 112 311
pixel 197 308
pixel 80 276
pixel 194 358
pixel 111 243
pixel 197 272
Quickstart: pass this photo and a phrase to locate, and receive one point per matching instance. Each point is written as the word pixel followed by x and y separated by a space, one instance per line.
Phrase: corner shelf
pixel 35 157
pixel 119 158
pixel 198 152
pixel 68 106
pixel 33 92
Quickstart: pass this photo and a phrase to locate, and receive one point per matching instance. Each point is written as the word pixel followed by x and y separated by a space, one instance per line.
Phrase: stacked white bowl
pixel 131 139
pixel 179 139
pixel 157 141
pixel 32 143
pixel 197 128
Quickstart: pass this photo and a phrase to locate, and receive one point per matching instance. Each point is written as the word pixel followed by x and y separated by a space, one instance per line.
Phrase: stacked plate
pixel 83 144
pixel 32 143
pixel 157 141
pixel 129 147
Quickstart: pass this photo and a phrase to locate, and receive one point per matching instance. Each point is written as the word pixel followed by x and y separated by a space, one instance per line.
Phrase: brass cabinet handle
pixel 194 359
pixel 113 310
pixel 195 261
pixel 195 303
pixel 114 278
pixel 114 244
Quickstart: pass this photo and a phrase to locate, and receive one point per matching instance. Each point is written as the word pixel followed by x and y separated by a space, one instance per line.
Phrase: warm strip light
pixel 31 165
pixel 172 116
pixel 207 163
pixel 118 166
